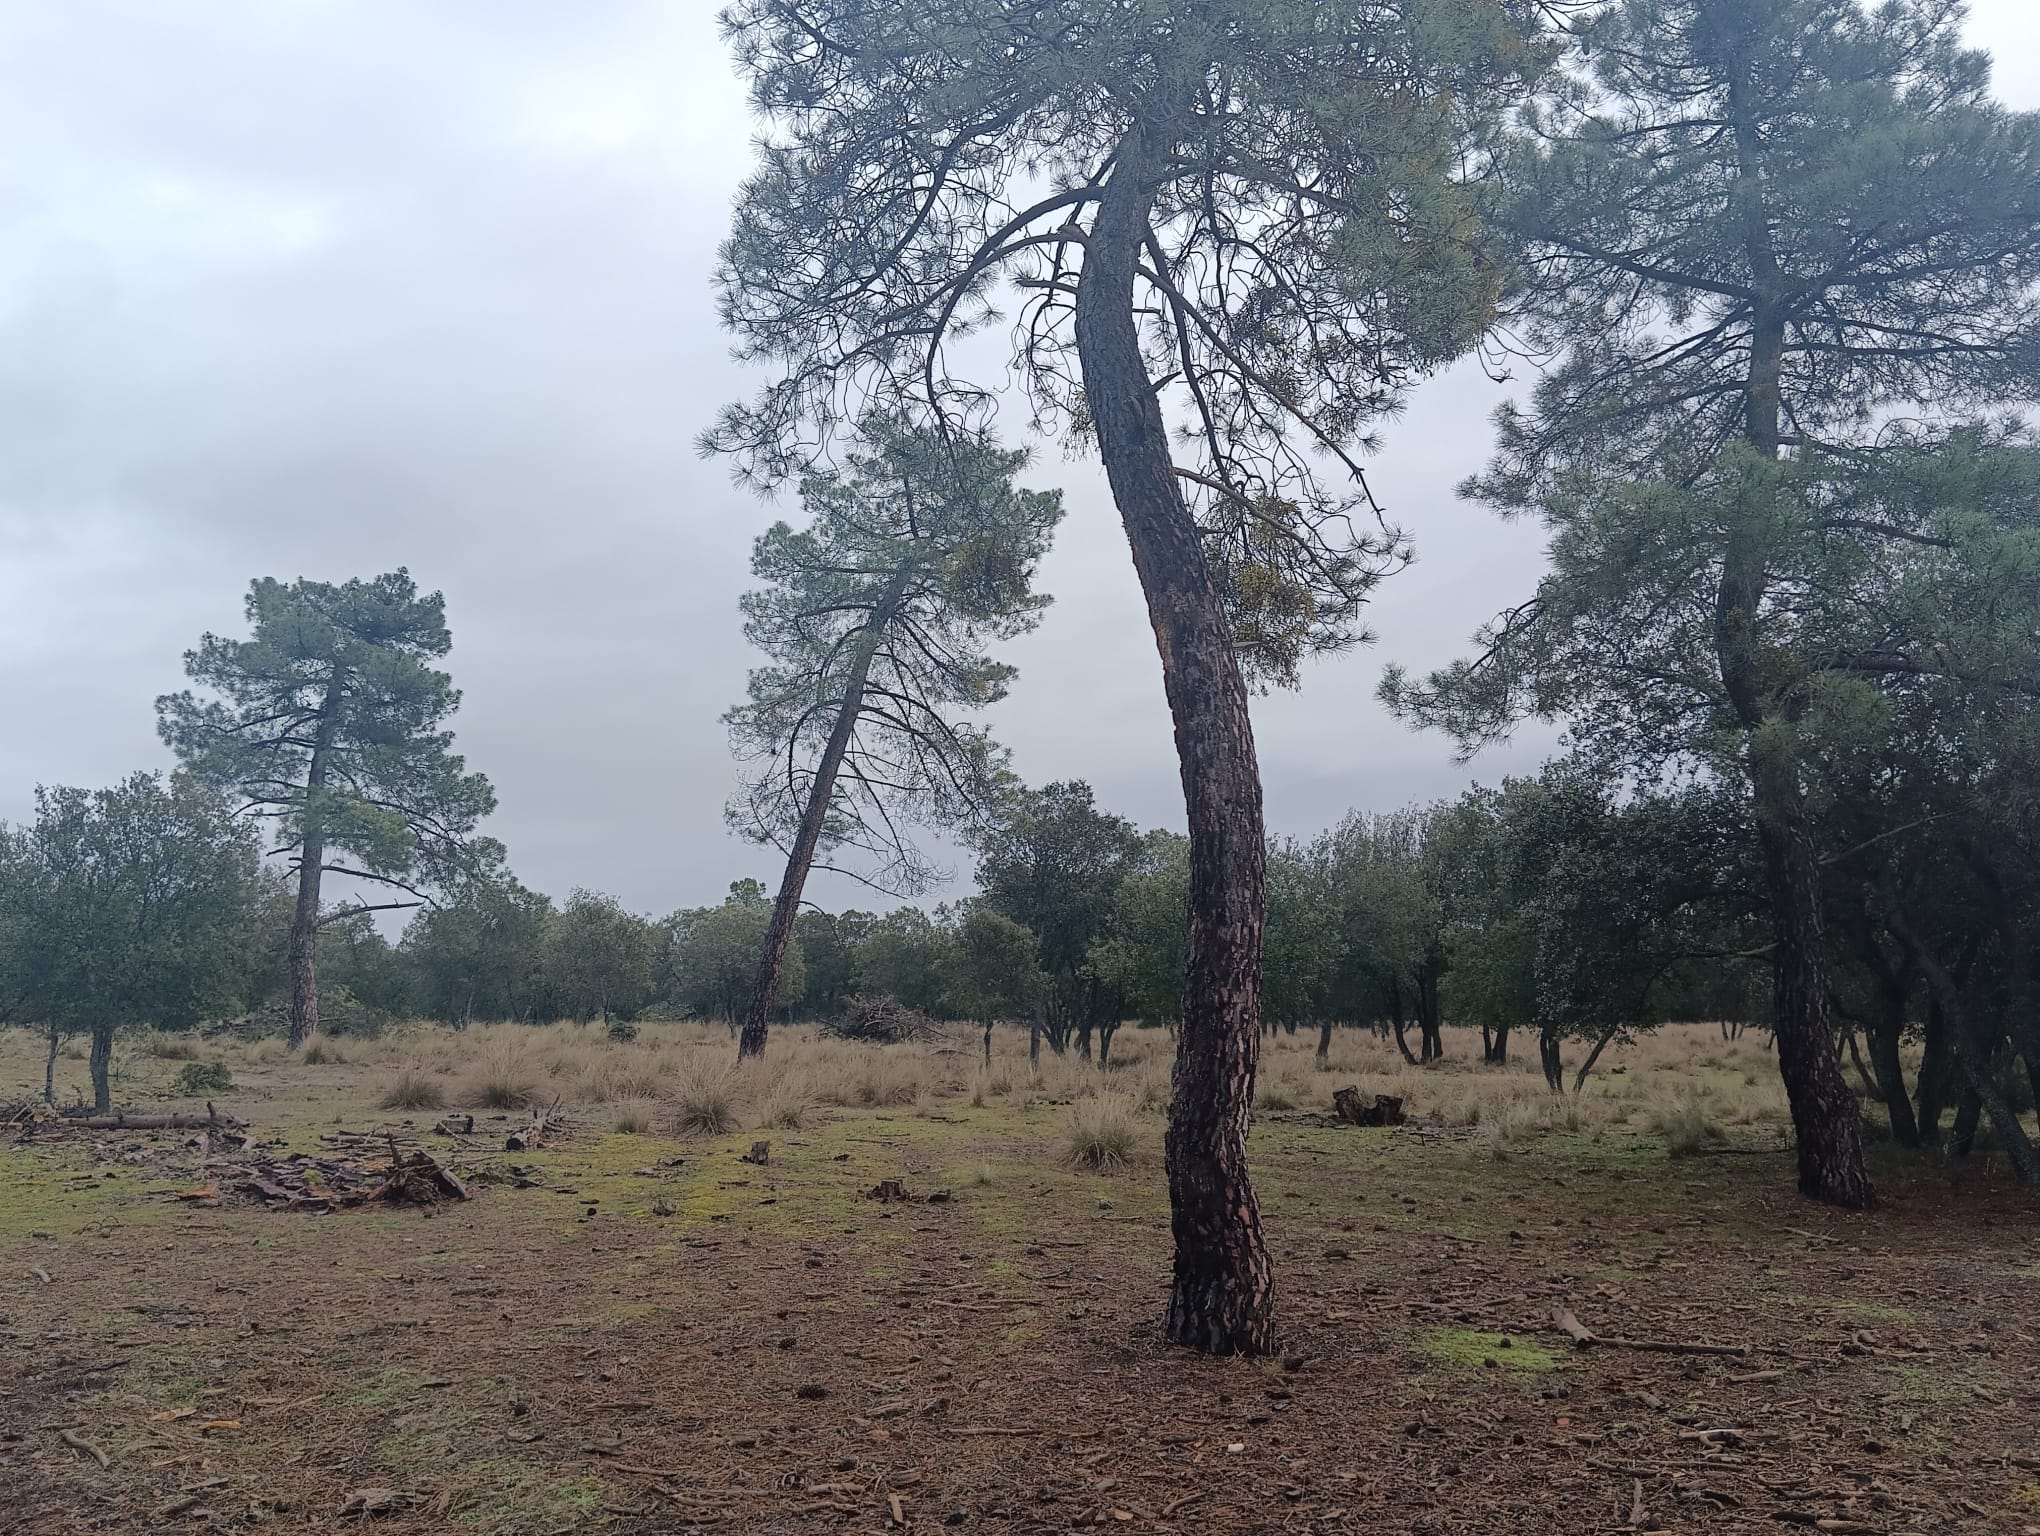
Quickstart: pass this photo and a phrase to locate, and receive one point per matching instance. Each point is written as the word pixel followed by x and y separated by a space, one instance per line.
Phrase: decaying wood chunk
pixel 1352 1108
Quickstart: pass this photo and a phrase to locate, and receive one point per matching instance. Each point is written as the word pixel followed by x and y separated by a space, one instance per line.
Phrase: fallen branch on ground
pixel 1586 1338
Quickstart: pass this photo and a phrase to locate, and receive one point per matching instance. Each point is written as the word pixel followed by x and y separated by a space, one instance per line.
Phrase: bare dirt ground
pixel 655 1336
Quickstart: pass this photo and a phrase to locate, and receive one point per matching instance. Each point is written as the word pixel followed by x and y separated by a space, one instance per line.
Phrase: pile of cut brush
pixel 880 1019
pixel 304 1182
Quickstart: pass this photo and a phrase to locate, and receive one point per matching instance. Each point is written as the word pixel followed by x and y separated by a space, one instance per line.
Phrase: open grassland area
pixel 634 1329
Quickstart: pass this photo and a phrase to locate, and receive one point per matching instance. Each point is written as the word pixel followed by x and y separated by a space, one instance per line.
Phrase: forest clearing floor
pixel 654 1335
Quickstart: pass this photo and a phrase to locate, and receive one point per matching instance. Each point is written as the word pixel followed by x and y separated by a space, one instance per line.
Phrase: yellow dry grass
pixel 1684 1083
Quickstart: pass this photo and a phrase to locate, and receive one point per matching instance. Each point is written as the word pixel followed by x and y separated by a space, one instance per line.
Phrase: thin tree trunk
pixel 1962 1136
pixel 1501 1052
pixel 49 1071
pixel 1975 1056
pixel 1550 1060
pixel 1884 1058
pixel 1222 1296
pixel 1033 1045
pixel 1580 1078
pixel 1936 1074
pixel 101 1060
pixel 304 921
pixel 814 816
pixel 1324 1043
pixel 1828 1124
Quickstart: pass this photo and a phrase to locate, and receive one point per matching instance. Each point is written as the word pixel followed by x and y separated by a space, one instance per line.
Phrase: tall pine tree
pixel 328 722
pixel 1239 218
pixel 876 617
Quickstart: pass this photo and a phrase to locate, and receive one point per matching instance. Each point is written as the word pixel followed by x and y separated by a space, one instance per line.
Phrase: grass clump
pixel 1687 1127
pixel 412 1090
pixel 201 1078
pixel 321 1053
pixel 168 1047
pixel 705 1100
pixel 502 1083
pixel 1100 1132
pixel 633 1120
pixel 785 1106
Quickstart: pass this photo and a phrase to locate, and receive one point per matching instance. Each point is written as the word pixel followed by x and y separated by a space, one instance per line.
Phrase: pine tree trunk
pixel 814 816
pixel 1824 1114
pixel 1221 1299
pixel 304 944
pixel 304 922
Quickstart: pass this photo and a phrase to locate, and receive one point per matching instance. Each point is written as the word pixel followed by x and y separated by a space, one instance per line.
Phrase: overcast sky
pixel 323 287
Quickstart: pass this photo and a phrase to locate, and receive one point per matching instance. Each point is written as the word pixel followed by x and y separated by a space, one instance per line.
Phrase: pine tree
pixel 876 617
pixel 1239 218
pixel 327 722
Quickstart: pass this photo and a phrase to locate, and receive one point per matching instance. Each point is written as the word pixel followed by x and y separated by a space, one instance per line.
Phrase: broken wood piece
pixel 78 1442
pixel 171 1120
pixel 532 1136
pixel 899 1510
pixel 1585 1338
pixel 1385 1109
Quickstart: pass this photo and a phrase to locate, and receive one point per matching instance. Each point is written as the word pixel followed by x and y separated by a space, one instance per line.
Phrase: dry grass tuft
pixel 168 1047
pixel 633 1119
pixel 705 1099
pixel 1687 1126
pixel 1100 1132
pixel 785 1104
pixel 503 1079
pixel 412 1090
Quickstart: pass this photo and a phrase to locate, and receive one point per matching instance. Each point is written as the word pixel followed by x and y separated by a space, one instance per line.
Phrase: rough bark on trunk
pixel 814 816
pixel 101 1059
pixel 1221 1298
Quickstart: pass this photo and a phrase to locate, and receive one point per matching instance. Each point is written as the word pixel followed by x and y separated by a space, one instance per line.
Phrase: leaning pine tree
pixel 327 722
pixel 1234 231
pixel 1779 248
pixel 876 617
